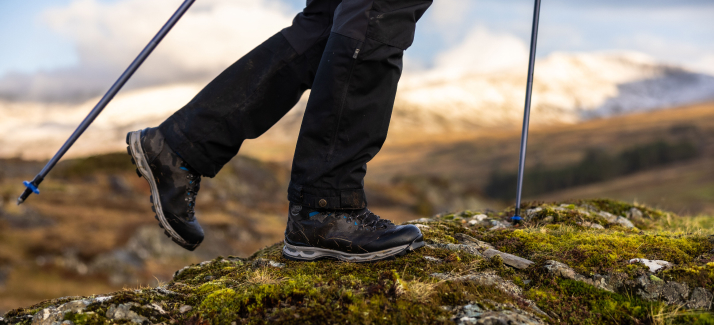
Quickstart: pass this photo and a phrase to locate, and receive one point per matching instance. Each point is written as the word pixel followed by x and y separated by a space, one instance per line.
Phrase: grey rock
pixel 624 222
pixel 609 217
pixel 420 220
pixel 497 224
pixel 613 219
pixel 55 314
pixel 635 214
pixel 590 225
pixel 261 262
pixel 562 270
pixel 433 259
pixel 185 308
pixel 500 314
pixel 669 292
pixel 530 213
pixel 700 299
pixel 508 259
pixel 456 248
pixel 484 279
pixel 124 312
pixel 465 239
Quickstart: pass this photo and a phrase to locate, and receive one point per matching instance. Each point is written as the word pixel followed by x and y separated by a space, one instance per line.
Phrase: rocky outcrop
pixel 547 270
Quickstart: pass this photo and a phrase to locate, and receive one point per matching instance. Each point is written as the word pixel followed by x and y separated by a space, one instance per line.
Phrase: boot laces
pixel 370 220
pixel 194 184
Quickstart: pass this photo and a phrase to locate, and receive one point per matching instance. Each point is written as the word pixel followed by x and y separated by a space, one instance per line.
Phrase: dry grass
pixel 263 276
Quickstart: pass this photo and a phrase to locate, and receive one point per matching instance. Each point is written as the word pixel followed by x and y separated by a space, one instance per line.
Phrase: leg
pixel 241 103
pixel 344 127
pixel 348 113
pixel 251 95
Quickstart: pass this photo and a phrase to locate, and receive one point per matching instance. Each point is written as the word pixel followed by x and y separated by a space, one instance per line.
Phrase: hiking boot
pixel 172 181
pixel 347 235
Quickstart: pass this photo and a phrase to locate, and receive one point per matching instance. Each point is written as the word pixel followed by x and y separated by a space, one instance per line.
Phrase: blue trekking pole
pixel 527 114
pixel 32 187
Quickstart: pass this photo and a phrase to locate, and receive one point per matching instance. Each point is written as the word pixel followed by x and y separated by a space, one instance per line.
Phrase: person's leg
pixel 344 126
pixel 241 103
pixel 349 109
pixel 251 95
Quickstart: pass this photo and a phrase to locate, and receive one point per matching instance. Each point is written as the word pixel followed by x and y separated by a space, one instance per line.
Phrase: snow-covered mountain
pixel 568 88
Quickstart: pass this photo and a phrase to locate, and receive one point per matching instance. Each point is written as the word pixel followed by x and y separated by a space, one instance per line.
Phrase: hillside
pixel 469 162
pixel 582 262
pixel 569 88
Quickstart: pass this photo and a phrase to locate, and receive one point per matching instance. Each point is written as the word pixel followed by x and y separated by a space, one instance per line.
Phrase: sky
pixel 70 50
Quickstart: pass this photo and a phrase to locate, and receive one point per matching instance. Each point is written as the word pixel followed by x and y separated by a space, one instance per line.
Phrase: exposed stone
pixel 432 259
pixel 55 314
pixel 530 213
pixel 700 299
pixel 613 219
pixel 420 226
pixel 261 262
pixel 124 312
pixel 565 271
pixel 508 259
pixel 502 314
pixel 485 279
pixel 635 214
pixel 420 220
pixel 589 224
pixel 473 242
pixel 456 248
pixel 654 265
pixel 185 308
pixel 477 218
pixel 669 292
pixel 497 224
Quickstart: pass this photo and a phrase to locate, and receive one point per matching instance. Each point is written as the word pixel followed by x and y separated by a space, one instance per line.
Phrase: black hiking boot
pixel 172 181
pixel 347 235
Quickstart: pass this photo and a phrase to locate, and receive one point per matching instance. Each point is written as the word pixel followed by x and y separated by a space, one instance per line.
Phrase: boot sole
pixel 135 149
pixel 301 253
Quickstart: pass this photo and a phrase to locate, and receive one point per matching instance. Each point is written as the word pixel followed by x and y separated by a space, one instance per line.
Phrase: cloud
pixel 482 51
pixel 108 36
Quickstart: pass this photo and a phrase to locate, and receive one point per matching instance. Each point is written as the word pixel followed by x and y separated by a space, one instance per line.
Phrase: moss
pixel 402 290
pixel 86 318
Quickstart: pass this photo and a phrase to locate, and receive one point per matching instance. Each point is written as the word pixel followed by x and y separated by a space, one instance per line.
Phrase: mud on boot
pixel 174 185
pixel 347 235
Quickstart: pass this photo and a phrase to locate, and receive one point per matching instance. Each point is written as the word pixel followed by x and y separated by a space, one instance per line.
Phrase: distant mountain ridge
pixel 568 88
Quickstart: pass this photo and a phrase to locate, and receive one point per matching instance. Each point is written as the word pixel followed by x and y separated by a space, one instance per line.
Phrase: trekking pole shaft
pixel 32 186
pixel 527 111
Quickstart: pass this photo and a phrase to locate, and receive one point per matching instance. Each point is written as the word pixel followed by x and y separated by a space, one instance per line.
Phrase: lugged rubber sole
pixel 136 151
pixel 301 253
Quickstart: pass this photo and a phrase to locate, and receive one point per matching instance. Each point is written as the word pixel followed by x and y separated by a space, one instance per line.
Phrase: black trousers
pixel 349 52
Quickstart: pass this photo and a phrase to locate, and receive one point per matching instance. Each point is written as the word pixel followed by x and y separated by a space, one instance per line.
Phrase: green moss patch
pixel 405 290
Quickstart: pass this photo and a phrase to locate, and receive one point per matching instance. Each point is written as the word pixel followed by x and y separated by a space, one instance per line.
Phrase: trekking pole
pixel 527 114
pixel 31 187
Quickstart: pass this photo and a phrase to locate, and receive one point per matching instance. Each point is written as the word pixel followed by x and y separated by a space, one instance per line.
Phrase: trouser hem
pixel 187 150
pixel 328 199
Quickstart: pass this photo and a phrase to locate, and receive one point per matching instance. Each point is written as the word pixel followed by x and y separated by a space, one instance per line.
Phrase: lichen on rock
pixel 567 263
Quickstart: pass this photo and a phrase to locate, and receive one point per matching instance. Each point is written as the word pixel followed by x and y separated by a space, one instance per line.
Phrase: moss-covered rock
pixel 580 273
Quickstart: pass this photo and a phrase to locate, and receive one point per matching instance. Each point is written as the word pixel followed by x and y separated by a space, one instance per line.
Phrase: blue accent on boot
pixel 313 213
pixel 184 168
pixel 31 186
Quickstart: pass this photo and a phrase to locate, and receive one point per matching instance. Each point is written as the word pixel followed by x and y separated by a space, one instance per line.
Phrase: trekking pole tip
pixel 29 189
